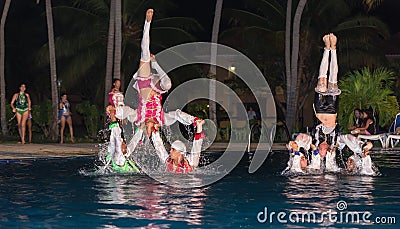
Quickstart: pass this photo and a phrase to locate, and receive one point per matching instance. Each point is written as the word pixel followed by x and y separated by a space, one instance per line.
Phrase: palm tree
pixel 81 46
pixel 110 52
pixel 118 40
pixel 53 72
pixel 366 88
pixel 292 81
pixel 303 55
pixel 4 129
pixel 213 68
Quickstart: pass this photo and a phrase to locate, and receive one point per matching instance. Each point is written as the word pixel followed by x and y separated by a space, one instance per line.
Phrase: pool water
pixel 53 193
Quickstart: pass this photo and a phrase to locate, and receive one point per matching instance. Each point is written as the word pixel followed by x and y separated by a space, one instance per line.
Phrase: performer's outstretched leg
pixel 333 68
pixel 323 69
pixel 144 66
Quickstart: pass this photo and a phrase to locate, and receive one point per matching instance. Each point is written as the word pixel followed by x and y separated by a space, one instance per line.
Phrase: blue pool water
pixel 52 193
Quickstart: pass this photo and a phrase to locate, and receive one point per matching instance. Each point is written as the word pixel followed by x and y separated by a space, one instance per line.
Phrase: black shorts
pixel 326 104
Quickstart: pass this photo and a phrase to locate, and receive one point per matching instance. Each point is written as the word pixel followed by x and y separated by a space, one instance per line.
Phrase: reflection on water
pixel 324 191
pixel 53 194
pixel 144 198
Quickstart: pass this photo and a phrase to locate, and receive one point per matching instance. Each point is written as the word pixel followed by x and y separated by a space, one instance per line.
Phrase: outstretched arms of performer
pixel 165 81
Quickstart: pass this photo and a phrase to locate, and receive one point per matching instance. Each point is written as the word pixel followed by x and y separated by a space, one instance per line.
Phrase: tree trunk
pixel 213 68
pixel 118 40
pixel 287 51
pixel 4 129
pixel 53 72
pixel 110 53
pixel 301 77
pixel 292 93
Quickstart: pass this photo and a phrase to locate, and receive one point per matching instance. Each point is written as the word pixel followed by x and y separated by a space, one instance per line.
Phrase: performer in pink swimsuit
pixel 150 86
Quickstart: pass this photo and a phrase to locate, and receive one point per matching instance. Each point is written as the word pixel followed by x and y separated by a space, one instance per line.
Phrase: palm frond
pixel 184 23
pixel 245 18
pixel 368 89
pixel 371 4
pixel 361 23
pixel 98 7
pixel 268 8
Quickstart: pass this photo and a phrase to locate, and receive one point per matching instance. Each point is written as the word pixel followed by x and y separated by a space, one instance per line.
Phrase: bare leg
pixel 71 131
pixel 29 124
pixel 23 126
pixel 144 66
pixel 149 128
pixel 19 119
pixel 62 129
pixel 323 69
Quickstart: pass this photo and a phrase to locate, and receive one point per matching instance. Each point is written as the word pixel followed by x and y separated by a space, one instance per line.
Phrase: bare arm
pixel 29 101
pixel 366 125
pixel 13 101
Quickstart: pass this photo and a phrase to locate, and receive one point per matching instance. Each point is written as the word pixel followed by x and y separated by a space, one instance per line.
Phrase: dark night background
pixel 26 33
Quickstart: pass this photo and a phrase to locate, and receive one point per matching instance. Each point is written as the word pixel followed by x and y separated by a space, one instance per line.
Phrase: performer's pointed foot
pixel 149 15
pixel 333 40
pixel 327 42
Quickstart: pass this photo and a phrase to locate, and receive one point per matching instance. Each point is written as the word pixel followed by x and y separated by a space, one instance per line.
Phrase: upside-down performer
pixel 326 96
pixel 326 102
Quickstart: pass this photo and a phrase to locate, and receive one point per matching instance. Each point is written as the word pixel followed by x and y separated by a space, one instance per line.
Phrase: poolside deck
pixel 11 151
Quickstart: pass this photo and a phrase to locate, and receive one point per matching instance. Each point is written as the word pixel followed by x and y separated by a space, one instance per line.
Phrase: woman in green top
pixel 21 106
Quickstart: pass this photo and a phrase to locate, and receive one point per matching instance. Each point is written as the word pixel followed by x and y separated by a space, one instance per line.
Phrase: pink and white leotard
pixel 150 109
pixel 116 99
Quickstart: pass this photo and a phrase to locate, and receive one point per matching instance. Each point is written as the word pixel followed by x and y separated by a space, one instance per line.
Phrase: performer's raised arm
pixel 165 81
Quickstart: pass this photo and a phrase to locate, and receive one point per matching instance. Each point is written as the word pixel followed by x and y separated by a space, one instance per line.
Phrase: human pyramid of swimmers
pixel 317 154
pixel 149 117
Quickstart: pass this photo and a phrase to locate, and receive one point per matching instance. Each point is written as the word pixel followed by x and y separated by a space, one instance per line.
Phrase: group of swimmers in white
pixel 317 154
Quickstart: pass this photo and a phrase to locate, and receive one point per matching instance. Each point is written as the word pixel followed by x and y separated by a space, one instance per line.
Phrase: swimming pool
pixel 52 193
